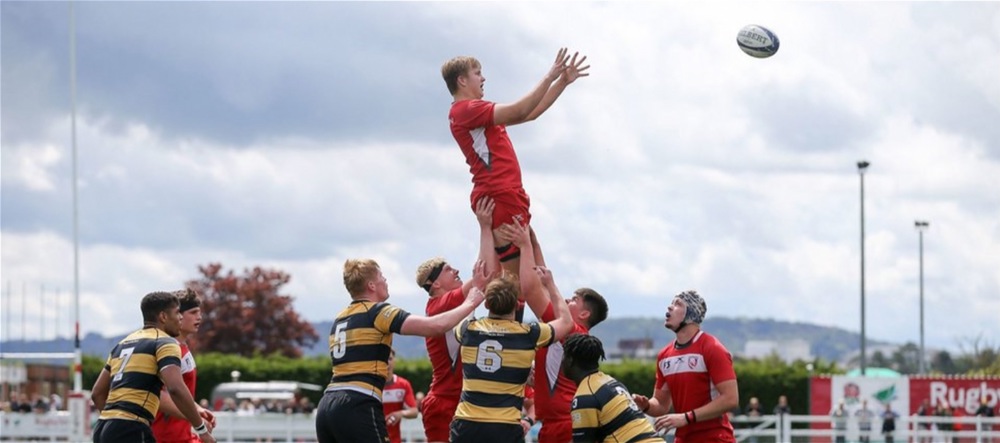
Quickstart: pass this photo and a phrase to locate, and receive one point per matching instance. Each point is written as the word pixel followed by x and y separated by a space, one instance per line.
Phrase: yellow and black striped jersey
pixel 496 362
pixel 603 411
pixel 360 344
pixel 134 365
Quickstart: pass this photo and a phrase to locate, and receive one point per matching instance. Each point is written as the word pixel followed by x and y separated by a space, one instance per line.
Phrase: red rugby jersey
pixel 692 373
pixel 446 379
pixel 487 147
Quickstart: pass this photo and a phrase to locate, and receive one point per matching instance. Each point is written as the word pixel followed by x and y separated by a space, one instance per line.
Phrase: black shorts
pixel 350 417
pixel 122 431
pixel 465 431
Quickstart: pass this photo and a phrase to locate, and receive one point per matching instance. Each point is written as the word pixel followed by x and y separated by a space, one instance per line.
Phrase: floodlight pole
pixel 862 166
pixel 921 225
pixel 77 353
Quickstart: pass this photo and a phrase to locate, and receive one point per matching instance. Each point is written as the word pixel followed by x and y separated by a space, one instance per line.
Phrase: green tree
pixel 879 360
pixel 906 358
pixel 979 356
pixel 247 314
pixel 943 363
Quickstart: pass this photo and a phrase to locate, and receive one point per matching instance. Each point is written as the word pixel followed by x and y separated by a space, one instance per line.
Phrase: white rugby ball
pixel 757 41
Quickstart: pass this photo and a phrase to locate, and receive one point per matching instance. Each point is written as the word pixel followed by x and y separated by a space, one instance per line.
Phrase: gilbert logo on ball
pixel 757 41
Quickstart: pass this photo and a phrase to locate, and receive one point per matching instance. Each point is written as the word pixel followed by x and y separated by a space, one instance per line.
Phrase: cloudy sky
pixel 297 135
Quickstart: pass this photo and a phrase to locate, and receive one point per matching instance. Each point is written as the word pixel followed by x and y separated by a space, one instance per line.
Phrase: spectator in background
pixel 753 414
pixel 40 405
pixel 958 413
pixel 945 426
pixel 22 404
pixel 840 417
pixel 229 405
pixel 888 422
pixel 55 402
pixel 924 412
pixel 985 411
pixel 782 406
pixel 865 417
pixel 397 400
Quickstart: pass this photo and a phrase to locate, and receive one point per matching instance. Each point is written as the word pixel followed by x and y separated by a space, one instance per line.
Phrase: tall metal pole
pixel 77 353
pixel 921 225
pixel 862 166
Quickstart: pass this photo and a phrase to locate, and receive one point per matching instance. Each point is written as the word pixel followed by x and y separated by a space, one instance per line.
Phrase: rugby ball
pixel 757 41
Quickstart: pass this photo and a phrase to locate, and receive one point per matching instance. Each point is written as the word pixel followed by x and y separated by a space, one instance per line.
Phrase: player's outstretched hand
pixel 545 275
pixel 484 211
pixel 575 69
pixel 669 422
pixel 559 65
pixel 480 275
pixel 641 401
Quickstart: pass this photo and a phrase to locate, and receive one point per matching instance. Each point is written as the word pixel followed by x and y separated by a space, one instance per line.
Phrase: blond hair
pixel 357 273
pixel 425 268
pixel 455 68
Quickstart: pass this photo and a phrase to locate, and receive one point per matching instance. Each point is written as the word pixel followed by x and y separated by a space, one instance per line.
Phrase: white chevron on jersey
pixel 479 145
pixel 454 348
pixel 553 362
pixel 187 362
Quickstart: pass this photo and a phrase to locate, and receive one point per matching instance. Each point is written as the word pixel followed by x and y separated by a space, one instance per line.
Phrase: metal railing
pixel 278 427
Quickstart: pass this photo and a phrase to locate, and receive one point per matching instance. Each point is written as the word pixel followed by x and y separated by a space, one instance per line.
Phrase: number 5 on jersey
pixel 339 338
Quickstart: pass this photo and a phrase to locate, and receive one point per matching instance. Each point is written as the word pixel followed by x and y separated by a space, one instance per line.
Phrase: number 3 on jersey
pixel 488 356
pixel 339 347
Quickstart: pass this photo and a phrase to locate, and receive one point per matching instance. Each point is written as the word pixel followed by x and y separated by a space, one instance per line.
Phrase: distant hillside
pixel 830 344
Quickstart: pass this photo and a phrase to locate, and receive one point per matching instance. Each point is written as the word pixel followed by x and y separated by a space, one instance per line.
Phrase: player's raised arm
pixel 573 71
pixel 487 255
pixel 518 112
pixel 532 291
pixel 563 323
pixel 445 321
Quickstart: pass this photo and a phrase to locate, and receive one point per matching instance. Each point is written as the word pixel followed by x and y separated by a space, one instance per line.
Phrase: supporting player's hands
pixel 515 233
pixel 484 211
pixel 575 69
pixel 545 275
pixel 480 275
pixel 559 66
pixel 475 297
pixel 665 423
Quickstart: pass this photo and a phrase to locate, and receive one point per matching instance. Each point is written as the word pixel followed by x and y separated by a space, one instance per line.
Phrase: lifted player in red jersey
pixel 480 128
pixel 694 377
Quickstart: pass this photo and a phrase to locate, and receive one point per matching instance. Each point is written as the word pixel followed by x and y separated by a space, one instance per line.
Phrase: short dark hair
pixel 156 302
pixel 585 351
pixel 595 303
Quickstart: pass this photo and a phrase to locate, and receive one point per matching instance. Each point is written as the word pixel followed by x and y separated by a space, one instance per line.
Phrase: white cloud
pixel 679 163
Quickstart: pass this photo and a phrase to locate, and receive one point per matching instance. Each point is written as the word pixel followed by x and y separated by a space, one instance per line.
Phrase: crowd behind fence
pixel 275 427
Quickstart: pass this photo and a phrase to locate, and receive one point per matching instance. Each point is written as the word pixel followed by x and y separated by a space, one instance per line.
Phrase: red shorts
pixel 556 431
pixel 437 412
pixel 509 205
